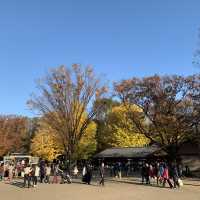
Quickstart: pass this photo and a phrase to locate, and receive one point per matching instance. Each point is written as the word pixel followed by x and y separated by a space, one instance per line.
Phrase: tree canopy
pixel 48 145
pixel 65 96
pixel 167 105
pixel 115 129
pixel 13 134
pixel 76 119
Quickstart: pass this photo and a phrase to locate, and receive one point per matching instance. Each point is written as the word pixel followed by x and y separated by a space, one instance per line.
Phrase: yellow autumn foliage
pixel 46 143
pixel 88 144
pixel 120 131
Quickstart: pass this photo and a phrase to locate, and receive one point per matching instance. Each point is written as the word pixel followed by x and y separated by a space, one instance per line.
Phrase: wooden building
pixel 188 154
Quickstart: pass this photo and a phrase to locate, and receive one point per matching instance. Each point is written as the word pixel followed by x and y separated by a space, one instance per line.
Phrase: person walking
pixel 101 172
pixel 151 173
pixel 119 170
pixel 42 172
pixel 146 173
pixel 75 171
pixel 88 174
pixel 84 174
pixel 157 172
pixel 36 174
pixel 55 173
pixel 161 170
pixel 174 175
pixel 6 171
pixel 143 173
pixel 27 175
pixel 47 173
pixel 166 177
pixel 1 171
pixel 10 171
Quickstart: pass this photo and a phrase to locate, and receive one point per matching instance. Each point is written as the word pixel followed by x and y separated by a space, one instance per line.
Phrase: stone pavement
pixel 124 189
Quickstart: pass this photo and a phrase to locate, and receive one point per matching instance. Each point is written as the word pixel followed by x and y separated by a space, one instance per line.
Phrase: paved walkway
pixel 125 189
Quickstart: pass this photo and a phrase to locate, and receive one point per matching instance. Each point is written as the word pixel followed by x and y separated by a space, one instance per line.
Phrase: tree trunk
pixel 172 151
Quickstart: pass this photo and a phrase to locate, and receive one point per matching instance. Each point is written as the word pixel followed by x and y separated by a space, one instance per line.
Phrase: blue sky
pixel 120 38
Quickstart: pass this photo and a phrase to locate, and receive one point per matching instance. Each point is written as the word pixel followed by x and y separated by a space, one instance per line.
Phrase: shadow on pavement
pixel 82 183
pixel 136 183
pixel 94 183
pixel 191 184
pixel 17 184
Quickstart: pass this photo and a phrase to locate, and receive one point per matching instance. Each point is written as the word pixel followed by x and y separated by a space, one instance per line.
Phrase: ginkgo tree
pixel 46 144
pixel 88 144
pixel 119 131
pixel 65 95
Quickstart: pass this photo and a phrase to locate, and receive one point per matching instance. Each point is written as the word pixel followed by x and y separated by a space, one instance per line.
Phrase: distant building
pixel 134 153
pixel 189 155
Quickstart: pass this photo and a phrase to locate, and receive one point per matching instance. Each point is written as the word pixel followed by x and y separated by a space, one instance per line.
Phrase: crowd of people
pixel 158 173
pixel 162 173
pixel 45 172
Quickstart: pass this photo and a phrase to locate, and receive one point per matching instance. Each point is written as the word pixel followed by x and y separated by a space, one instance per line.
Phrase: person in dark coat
pixel 156 172
pixel 119 170
pixel 143 172
pixel 146 173
pixel 84 172
pixel 174 175
pixel 42 172
pixel 101 172
pixel 88 175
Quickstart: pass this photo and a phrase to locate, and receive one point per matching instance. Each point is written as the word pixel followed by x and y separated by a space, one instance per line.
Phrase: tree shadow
pixel 191 184
pixel 18 184
pixel 190 178
pixel 136 183
pixel 82 183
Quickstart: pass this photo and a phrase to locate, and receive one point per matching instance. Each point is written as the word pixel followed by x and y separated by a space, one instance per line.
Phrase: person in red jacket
pixel 166 177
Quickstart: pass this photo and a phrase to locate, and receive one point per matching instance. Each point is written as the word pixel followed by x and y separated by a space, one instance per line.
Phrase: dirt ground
pixel 125 189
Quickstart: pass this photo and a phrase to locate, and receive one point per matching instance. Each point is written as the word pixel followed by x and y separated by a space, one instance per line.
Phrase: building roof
pixel 128 152
pixel 189 148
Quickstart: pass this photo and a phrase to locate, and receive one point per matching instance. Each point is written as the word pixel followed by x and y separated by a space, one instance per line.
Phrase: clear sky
pixel 120 38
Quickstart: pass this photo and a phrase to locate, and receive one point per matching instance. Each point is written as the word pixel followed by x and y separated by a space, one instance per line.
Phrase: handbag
pixel 180 182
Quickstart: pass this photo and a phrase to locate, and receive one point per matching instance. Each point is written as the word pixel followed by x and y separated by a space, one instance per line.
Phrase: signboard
pixel 34 160
pixel 8 159
pixel 20 158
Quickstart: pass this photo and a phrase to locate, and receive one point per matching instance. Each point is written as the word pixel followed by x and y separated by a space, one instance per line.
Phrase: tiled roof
pixel 128 152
